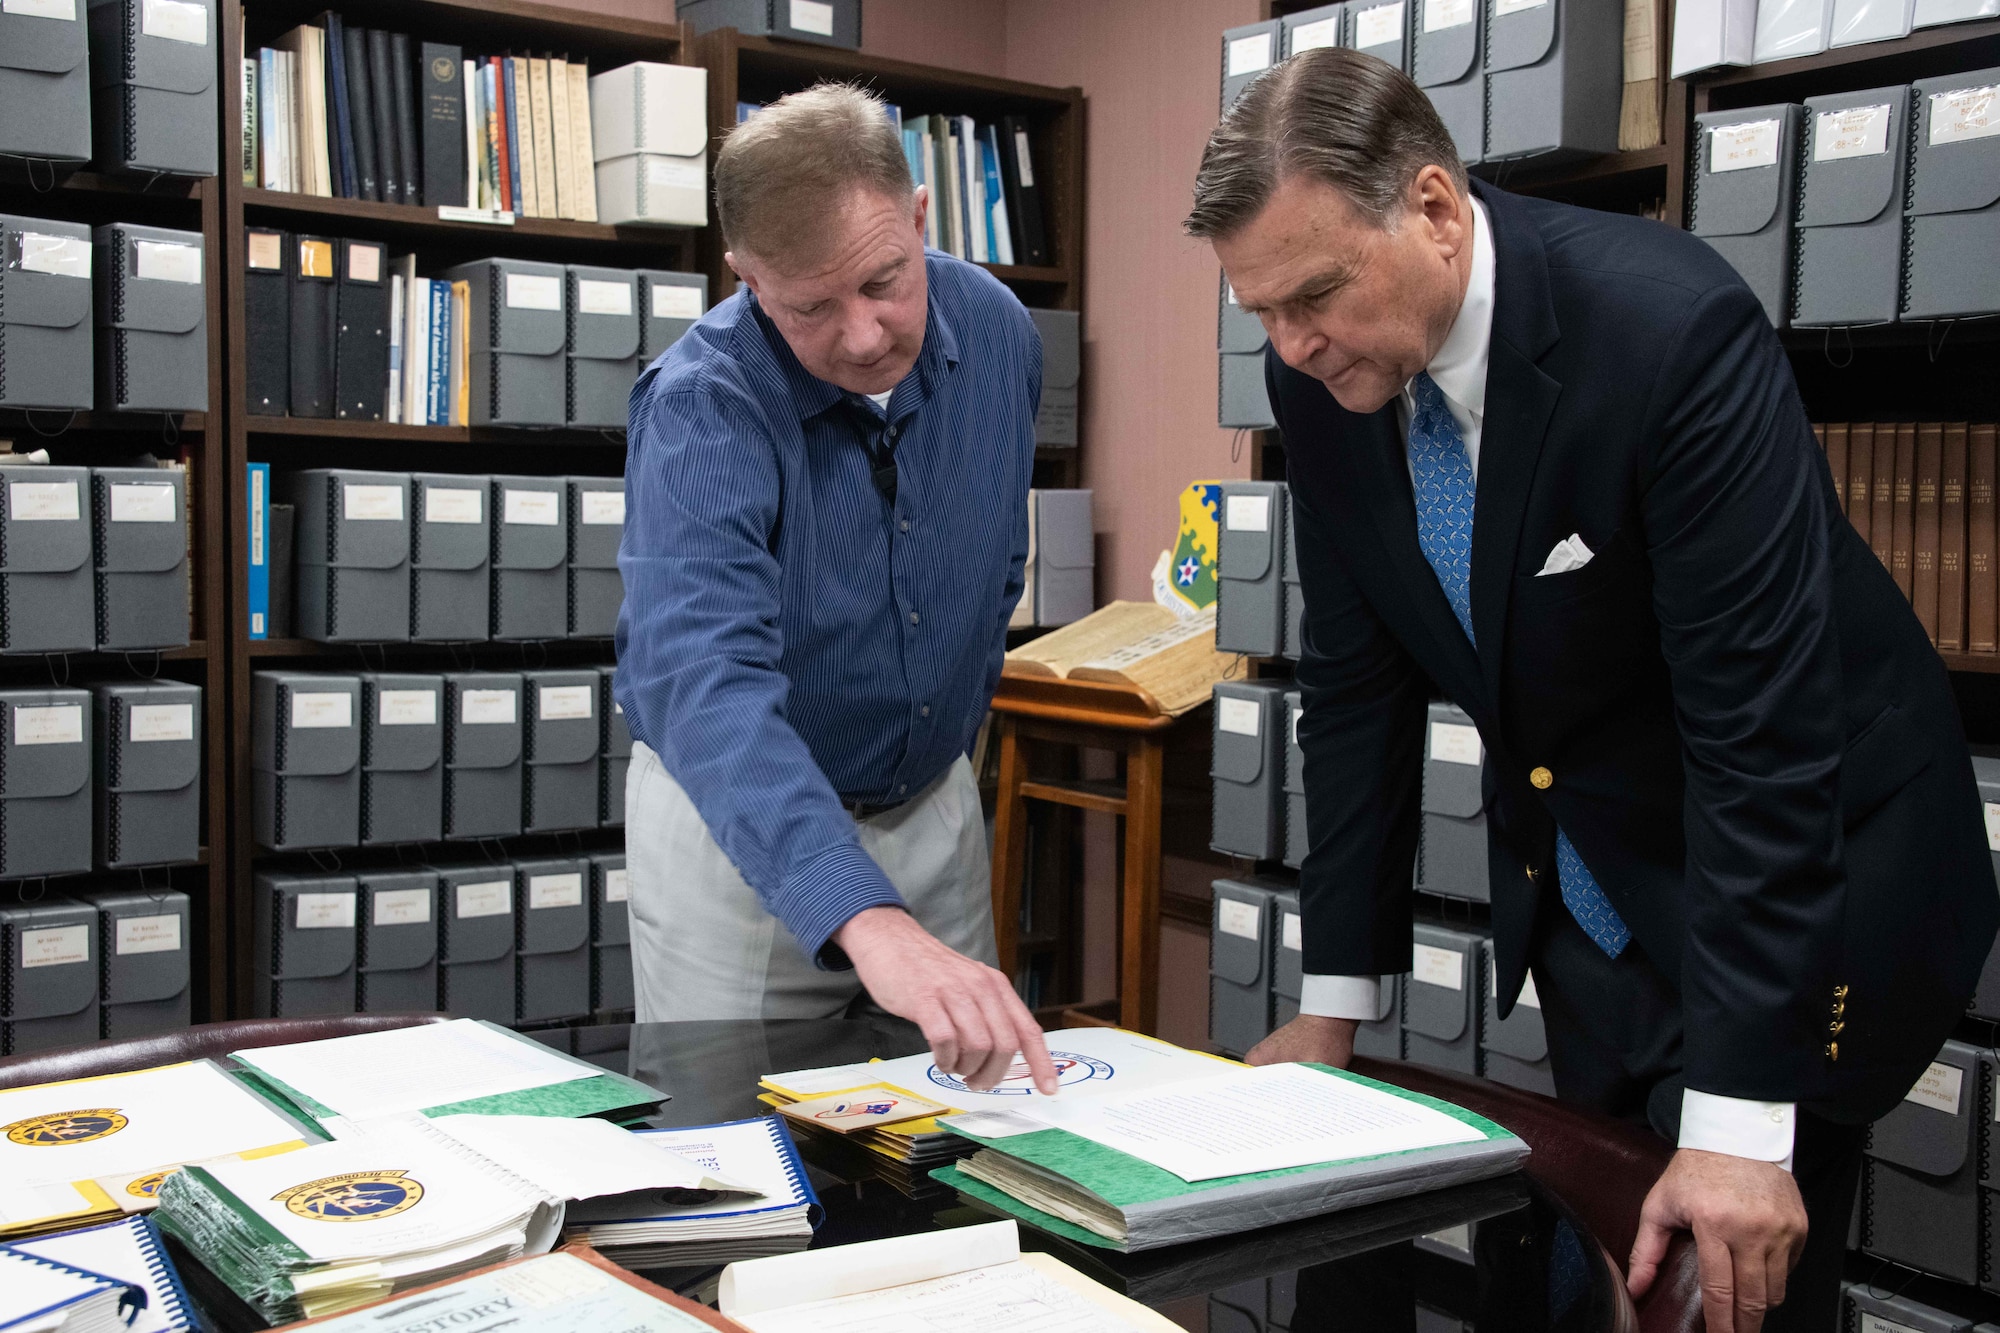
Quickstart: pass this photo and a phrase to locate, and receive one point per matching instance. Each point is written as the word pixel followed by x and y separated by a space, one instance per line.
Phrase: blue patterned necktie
pixel 1442 472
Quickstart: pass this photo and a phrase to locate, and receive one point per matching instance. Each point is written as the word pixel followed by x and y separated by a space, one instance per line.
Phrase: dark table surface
pixel 1495 1257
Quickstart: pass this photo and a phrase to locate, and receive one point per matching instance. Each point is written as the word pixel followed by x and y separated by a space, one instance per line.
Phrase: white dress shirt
pixel 1762 1131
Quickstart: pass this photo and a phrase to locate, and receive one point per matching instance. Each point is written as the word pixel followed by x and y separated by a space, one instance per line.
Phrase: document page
pixel 1263 1119
pixel 744 1151
pixel 407 1069
pixel 557 1293
pixel 581 1159
pixel 1005 1298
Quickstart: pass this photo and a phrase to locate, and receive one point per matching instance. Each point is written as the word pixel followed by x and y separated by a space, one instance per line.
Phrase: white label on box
pixel 1442 14
pixel 492 897
pixel 1754 143
pixel 597 297
pixel 1380 26
pixel 1993 826
pixel 1860 131
pixel 1248 513
pixel 53 946
pixel 59 256
pixel 1455 743
pixel 43 502
pixel 603 509
pixel 1238 918
pixel 1528 996
pixel 1024 161
pixel 1938 1088
pixel 534 291
pixel 1313 36
pixel 41 9
pixel 56 724
pixel 1292 934
pixel 673 301
pixel 162 722
pixel 554 891
pixel 1875 1323
pixel 451 505
pixel 617 886
pixel 322 709
pixel 565 703
pixel 371 504
pixel 406 708
pixel 175 20
pixel 485 707
pixel 142 502
pixel 1964 113
pixel 167 261
pixel 1249 54
pixel 325 911
pixel 1238 717
pixel 1502 8
pixel 814 16
pixel 402 907
pixel 1437 967
pixel 149 934
pixel 675 173
pixel 364 263
pixel 541 509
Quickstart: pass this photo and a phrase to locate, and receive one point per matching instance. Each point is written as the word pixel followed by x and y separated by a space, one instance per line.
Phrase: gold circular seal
pixel 357 1196
pixel 444 71
pixel 60 1129
pixel 148 1186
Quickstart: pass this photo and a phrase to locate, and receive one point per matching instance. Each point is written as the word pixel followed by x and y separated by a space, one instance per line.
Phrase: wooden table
pixel 1086 715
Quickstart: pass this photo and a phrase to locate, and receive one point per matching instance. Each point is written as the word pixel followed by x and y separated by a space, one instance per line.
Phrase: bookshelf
pixel 105 438
pixel 291 443
pixel 744 68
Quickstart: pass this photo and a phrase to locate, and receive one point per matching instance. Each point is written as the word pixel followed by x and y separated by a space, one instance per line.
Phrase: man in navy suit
pixel 1552 463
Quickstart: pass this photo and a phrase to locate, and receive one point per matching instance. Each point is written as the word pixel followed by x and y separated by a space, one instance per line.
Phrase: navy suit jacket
pixel 1752 743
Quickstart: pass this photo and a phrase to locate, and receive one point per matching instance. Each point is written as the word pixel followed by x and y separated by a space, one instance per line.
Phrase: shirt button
pixel 914 618
pixel 1777 1115
pixel 925 710
pixel 1540 778
pixel 905 525
pixel 903 789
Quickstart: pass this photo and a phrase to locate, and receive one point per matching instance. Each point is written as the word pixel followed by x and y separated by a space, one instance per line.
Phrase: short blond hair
pixel 781 172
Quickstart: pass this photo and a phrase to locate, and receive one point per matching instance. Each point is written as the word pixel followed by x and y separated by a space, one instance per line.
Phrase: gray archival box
pixel 823 22
pixel 517 361
pixel 1921 1175
pixel 603 345
pixel 552 943
pixel 46 600
pixel 1554 80
pixel 144 941
pixel 1742 195
pixel 1447 61
pixel 152 81
pixel 1062 369
pixel 560 749
pixel 530 598
pixel 1288 951
pixel 402 758
pixel 304 945
pixel 1239 963
pixel 48 969
pixel 139 521
pixel 305 759
pixel 451 541
pixel 1247 52
pixel 45 793
pixel 148 742
pixel 45 86
pixel 482 755
pixel 1517 1047
pixel 152 319
pixel 617 754
pixel 1249 568
pixel 1441 1019
pixel 1953 241
pixel 1382 30
pixel 476 942
pixel 1297 834
pixel 1451 860
pixel 1247 769
pixel 396 931
pixel 669 305
pixel 1850 211
pixel 596 525
pixel 1063 556
pixel 45 337
pixel 610 934
pixel 353 554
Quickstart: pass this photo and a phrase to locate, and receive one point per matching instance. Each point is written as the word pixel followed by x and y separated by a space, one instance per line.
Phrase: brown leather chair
pixel 202 1041
pixel 1602 1168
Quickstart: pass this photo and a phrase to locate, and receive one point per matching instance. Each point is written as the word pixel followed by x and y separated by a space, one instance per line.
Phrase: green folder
pixel 1158 1208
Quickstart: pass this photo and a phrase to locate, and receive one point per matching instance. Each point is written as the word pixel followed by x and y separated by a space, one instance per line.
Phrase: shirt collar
pixel 812 395
pixel 1459 368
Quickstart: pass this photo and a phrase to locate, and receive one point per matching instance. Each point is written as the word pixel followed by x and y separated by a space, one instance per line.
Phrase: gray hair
pixel 779 173
pixel 1332 115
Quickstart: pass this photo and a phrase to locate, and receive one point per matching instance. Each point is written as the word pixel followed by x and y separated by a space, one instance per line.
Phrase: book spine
pixel 361 115
pixel 417 355
pixel 996 197
pixel 973 182
pixel 442 81
pixel 402 76
pixel 1925 528
pixel 542 127
pixel 436 369
pixel 1836 461
pixel 564 139
pixel 382 111
pixel 1951 541
pixel 461 347
pixel 1980 591
pixel 393 399
pixel 521 136
pixel 1860 478
pixel 579 119
pixel 1902 513
pixel 1034 247
pixel 258 527
pixel 474 158
pixel 933 214
pixel 250 121
pixel 319 124
pixel 269 148
pixel 503 145
pixel 339 127
pixel 1882 497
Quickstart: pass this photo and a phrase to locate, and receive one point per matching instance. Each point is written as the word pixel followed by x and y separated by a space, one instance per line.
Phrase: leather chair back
pixel 202 1041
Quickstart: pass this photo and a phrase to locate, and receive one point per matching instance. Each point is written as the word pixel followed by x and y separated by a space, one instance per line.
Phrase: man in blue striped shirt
pixel 826 528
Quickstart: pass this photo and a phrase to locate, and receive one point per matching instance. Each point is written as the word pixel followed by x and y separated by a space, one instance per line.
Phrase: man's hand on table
pixel 1308 1039
pixel 1749 1227
pixel 968 1011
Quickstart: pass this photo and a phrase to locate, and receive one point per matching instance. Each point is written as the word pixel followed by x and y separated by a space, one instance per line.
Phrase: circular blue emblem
pixel 1071 1069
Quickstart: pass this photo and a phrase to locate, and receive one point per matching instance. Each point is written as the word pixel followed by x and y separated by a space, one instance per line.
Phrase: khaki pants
pixel 703 947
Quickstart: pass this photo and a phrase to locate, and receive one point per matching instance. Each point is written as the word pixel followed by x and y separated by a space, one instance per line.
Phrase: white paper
pixel 406 1069
pixel 486 707
pixel 1993 826
pixel 364 263
pixel 325 911
pixel 452 504
pixel 174 20
pixel 1263 1119
pixel 1502 8
pixel 1861 131
pixel 542 509
pixel 1964 113
pixel 167 261
pixel 1455 743
pixel 1753 143
pixel 1240 919
pixel 1248 513
pixel 406 708
pixel 675 173
pixel 1238 717
pixel 1319 33
pixel 41 9
pixel 1379 26
pixel 321 708
pixel 1939 1088
pixel 1442 14
pixel 546 891
pixel 755 1286
pixel 581 1159
pixel 52 724
pixel 55 946
pixel 617 886
pixel 564 703
pixel 162 722
pixel 43 502
pixel 1017 1297
pixel 57 256
pixel 594 296
pixel 534 291
pixel 603 509
pixel 1292 935
pixel 673 301
pixel 142 502
pixel 489 897
pixel 1249 54
pixel 371 504
pixel 1433 966
pixel 148 934
pixel 814 16
pixel 401 907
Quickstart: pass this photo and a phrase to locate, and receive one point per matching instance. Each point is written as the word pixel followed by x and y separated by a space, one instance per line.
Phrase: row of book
pixel 985 205
pixel 1921 495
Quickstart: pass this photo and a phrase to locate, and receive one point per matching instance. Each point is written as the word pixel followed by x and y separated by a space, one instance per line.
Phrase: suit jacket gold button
pixel 1540 778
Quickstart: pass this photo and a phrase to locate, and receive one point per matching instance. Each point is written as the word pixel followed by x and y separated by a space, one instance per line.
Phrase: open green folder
pixel 1115 1201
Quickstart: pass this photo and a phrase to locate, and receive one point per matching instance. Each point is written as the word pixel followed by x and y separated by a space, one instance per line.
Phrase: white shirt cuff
pixel 1760 1131
pixel 1359 998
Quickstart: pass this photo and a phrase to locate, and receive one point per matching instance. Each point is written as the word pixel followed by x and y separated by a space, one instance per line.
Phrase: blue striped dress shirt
pixel 791 642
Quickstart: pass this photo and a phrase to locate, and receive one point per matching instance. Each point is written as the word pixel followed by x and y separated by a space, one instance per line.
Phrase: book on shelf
pixel 979 210
pixel 1639 107
pixel 1139 645
pixel 382 104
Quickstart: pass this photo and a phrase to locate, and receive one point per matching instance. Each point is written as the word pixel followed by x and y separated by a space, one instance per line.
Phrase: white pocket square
pixel 1569 553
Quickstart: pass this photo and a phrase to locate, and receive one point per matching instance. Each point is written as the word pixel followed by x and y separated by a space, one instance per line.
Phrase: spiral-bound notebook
pixel 126 1251
pixel 40 1295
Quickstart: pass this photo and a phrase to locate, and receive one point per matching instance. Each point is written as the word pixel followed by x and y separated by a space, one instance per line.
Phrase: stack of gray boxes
pixel 1249 568
pixel 1924 1169
pixel 152 71
pixel 1062 372
pixel 1442 1000
pixel 396 940
pixel 1742 193
pixel 1246 769
pixel 610 934
pixel 93 558
pixel 552 951
pixel 45 289
pixel 1451 857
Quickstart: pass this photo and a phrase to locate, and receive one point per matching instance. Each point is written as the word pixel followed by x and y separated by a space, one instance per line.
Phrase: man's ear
pixel 743 272
pixel 921 209
pixel 1445 209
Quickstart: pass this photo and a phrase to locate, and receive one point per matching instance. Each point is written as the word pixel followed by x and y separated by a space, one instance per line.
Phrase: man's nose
pixel 1297 342
pixel 863 334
